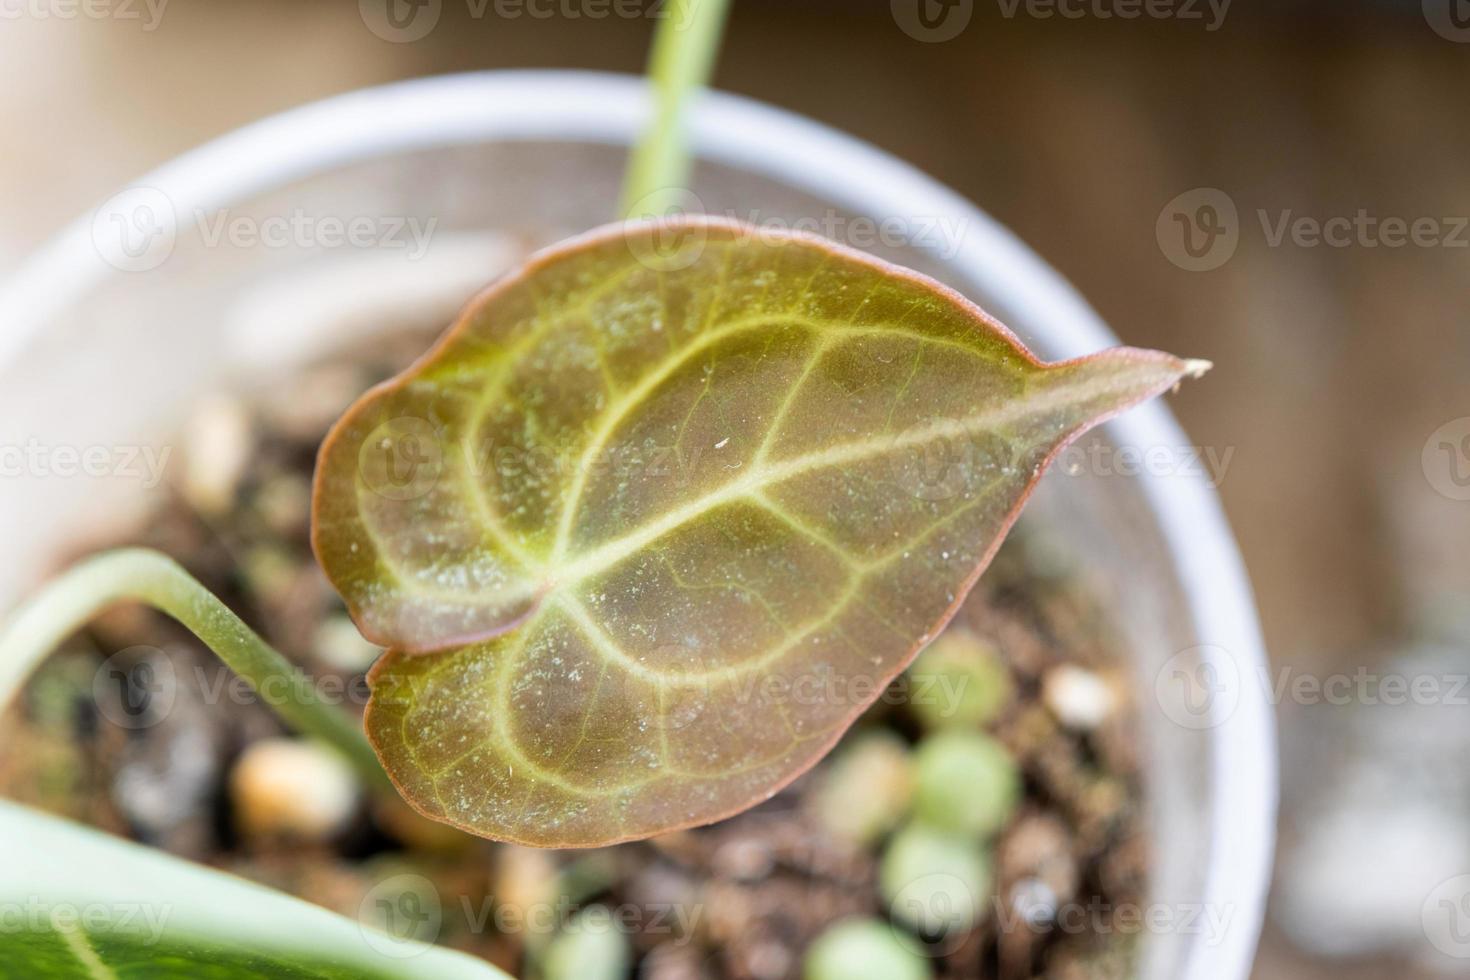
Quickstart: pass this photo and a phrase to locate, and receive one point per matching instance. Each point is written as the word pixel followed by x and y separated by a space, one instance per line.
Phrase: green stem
pixel 683 58
pixel 139 574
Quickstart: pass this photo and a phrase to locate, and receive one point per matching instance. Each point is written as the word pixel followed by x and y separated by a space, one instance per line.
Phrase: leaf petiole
pixel 143 575
pixel 682 60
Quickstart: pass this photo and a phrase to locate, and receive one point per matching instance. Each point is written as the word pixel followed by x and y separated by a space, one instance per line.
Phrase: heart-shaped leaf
pixel 667 509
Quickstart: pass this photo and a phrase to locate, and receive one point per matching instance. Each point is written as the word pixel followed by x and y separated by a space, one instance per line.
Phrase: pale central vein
pixel 80 947
pixel 758 478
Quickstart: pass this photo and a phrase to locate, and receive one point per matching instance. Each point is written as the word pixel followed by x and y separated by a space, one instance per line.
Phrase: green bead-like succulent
pixel 958 681
pixel 591 948
pixel 965 783
pixel 863 949
pixel 935 882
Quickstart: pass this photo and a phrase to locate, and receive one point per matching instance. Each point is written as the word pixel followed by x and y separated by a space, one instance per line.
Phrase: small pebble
pixel 1034 902
pixel 217 446
pixel 1038 849
pixel 769 960
pixel 285 787
pixel 338 643
pixel 1080 699
pixel 668 961
pixel 525 882
pixel 744 859
pixel 1097 807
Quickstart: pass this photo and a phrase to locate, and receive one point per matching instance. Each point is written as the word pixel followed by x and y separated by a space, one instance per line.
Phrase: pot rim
pixel 599 107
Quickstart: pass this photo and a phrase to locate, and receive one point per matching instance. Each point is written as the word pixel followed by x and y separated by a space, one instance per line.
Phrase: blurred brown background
pixel 1336 365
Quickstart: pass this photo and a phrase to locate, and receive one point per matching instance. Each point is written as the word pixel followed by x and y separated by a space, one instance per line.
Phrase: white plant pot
pixel 100 347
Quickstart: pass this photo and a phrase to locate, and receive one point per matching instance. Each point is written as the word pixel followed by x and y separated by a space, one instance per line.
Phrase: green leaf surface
pixel 668 508
pixel 76 903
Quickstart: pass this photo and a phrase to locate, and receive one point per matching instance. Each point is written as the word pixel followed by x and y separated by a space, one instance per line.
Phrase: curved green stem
pixel 143 575
pixel 683 58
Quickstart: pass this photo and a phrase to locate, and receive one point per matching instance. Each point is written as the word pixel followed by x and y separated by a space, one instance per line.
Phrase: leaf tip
pixel 1197 368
